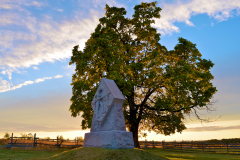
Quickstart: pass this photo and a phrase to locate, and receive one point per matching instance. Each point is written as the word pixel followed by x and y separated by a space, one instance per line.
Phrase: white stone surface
pixel 109 139
pixel 108 125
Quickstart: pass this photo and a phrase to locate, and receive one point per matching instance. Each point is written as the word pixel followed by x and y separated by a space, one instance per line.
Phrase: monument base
pixel 109 139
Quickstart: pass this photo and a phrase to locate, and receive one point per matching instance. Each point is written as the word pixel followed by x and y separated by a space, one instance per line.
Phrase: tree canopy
pixel 160 86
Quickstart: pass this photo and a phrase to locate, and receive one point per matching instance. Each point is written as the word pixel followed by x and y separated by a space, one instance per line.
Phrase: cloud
pixel 8 38
pixel 53 41
pixel 8 18
pixel 70 69
pixel 16 127
pixel 8 72
pixel 44 39
pixel 42 79
pixel 4 85
pixel 58 76
pixel 212 128
pixel 22 84
pixel 181 11
pixel 8 86
pixel 60 10
pixel 36 3
pixel 3 72
pixel 96 4
pixel 35 67
pixel 18 4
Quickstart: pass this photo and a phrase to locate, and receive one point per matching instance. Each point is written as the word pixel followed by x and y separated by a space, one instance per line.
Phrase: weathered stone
pixel 109 139
pixel 108 126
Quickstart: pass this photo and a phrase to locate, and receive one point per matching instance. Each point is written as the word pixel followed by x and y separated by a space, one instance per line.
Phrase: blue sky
pixel 36 39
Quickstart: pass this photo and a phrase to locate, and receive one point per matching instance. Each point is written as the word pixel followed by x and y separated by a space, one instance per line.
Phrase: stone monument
pixel 108 125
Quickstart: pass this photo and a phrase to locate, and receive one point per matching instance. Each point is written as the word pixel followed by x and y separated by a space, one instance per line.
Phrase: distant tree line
pixel 6 135
pixel 230 140
pixel 29 136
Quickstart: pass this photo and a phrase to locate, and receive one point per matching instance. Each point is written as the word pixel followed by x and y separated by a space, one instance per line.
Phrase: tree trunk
pixel 134 130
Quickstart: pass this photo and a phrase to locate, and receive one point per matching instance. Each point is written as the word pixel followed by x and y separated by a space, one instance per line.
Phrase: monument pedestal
pixel 109 139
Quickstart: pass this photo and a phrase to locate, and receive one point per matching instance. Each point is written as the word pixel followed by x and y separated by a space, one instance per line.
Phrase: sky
pixel 36 42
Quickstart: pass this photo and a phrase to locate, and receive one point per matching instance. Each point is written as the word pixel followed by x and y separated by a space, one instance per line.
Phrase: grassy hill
pixel 105 154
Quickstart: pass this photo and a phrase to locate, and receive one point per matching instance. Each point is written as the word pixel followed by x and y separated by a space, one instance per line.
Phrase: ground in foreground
pixel 99 153
pixel 106 154
pixel 28 153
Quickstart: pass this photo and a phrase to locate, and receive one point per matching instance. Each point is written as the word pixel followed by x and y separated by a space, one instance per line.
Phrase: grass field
pixel 175 155
pixel 78 154
pixel 107 154
pixel 30 153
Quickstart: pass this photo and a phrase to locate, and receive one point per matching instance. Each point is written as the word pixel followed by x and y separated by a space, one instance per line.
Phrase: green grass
pixel 78 153
pixel 27 153
pixel 106 154
pixel 175 155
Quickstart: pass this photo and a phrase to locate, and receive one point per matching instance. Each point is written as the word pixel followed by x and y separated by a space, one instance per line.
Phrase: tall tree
pixel 160 86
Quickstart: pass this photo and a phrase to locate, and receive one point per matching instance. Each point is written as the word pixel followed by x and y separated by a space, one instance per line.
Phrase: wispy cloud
pixel 70 69
pixel 58 76
pixel 5 85
pixel 53 41
pixel 22 84
pixel 46 40
pixel 8 86
pixel 8 72
pixel 60 10
pixel 42 79
pixel 35 67
pixel 212 128
pixel 38 40
pixel 17 4
pixel 181 11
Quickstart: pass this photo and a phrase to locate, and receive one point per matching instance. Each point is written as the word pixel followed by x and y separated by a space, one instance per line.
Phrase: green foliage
pixel 230 140
pixel 61 137
pixel 6 135
pixel 80 138
pixel 160 86
pixel 28 136
pixel 47 138
pixel 142 135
